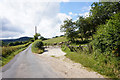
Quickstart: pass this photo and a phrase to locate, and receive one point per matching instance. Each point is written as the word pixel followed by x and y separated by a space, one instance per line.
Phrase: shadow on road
pixel 45 50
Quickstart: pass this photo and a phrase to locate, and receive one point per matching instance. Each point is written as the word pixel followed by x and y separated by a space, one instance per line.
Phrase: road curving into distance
pixel 28 65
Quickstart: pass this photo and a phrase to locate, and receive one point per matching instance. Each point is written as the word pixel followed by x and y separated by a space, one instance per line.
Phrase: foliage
pixel 102 11
pixel 36 36
pixel 69 28
pixel 32 40
pixel 107 38
pixel 55 36
pixel 17 43
pixel 37 47
pixel 2 43
pixel 38 44
pixel 11 44
pixel 21 39
pixel 103 25
pixel 5 60
pixel 10 51
pixel 108 66
pixel 42 38
pixel 6 51
pixel 84 27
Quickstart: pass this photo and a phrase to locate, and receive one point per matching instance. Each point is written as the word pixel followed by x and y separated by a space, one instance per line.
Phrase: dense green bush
pixel 105 65
pixel 17 43
pixel 107 38
pixel 6 51
pixel 37 46
pixel 106 45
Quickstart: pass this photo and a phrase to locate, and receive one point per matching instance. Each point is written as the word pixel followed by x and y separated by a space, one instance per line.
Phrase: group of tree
pixel 102 25
pixel 2 43
pixel 38 36
pixel 85 27
pixel 58 36
pixel 17 43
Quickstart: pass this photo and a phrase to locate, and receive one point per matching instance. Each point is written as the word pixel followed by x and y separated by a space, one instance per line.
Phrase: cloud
pixel 8 26
pixel 51 27
pixel 84 9
pixel 21 16
pixel 86 14
pixel 70 13
pixel 9 34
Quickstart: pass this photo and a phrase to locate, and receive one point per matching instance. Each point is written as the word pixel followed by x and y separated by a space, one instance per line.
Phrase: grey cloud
pixel 20 16
pixel 7 34
pixel 8 26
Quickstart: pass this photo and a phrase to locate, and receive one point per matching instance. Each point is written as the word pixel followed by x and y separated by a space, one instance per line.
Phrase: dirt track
pixel 64 66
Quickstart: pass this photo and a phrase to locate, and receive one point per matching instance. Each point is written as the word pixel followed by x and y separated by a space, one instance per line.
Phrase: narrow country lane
pixel 28 65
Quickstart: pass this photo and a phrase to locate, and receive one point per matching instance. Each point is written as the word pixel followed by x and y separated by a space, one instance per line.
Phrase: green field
pixel 55 40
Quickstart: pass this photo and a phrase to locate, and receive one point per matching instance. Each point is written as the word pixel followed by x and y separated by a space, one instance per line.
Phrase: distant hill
pixel 14 40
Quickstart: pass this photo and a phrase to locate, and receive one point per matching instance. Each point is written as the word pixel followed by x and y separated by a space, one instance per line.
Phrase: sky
pixel 18 18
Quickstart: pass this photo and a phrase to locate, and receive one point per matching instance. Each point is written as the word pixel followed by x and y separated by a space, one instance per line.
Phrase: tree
pixel 84 27
pixel 11 44
pixel 36 36
pixel 38 44
pixel 69 28
pixel 2 43
pixel 102 11
pixel 16 43
pixel 42 38
pixel 107 38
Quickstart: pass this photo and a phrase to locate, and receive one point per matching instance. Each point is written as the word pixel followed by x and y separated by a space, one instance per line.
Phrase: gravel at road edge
pixel 65 66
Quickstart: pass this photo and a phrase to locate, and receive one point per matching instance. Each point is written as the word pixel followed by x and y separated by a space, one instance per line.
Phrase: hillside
pixel 14 40
pixel 55 40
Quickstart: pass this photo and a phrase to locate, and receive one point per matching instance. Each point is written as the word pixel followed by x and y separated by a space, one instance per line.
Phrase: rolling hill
pixel 14 40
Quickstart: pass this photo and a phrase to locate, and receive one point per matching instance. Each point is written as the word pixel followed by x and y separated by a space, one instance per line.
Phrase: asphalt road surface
pixel 28 65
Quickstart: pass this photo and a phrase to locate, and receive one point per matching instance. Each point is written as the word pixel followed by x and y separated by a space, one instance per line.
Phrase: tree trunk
pixel 81 38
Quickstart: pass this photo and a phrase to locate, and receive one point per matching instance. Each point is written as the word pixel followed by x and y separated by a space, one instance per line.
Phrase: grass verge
pixel 37 47
pixel 109 69
pixel 10 57
pixel 9 52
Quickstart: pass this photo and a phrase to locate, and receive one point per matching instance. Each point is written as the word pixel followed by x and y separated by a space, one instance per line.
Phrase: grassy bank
pixel 9 52
pixel 108 66
pixel 55 40
pixel 37 47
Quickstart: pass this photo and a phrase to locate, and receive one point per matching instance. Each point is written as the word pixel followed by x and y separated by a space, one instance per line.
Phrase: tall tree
pixel 69 28
pixel 36 36
pixel 102 11
pixel 84 27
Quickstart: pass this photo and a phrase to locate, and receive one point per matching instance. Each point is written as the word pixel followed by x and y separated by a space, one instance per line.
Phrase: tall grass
pixel 105 65
pixel 10 51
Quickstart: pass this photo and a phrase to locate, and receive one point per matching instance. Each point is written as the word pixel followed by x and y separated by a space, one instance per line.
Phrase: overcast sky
pixel 18 18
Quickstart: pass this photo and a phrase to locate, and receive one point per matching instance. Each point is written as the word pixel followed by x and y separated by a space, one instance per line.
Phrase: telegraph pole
pixel 35 29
